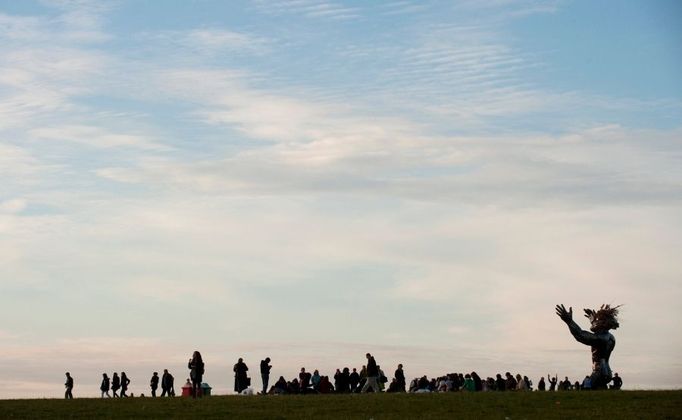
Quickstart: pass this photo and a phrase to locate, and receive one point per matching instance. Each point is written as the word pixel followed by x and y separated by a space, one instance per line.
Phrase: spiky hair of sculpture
pixel 606 318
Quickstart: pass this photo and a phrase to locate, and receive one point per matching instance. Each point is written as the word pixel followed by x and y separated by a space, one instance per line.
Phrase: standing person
pixel 478 383
pixel 196 373
pixel 265 373
pixel 341 378
pixel 69 386
pixel 354 380
pixel 124 384
pixel 154 383
pixel 104 386
pixel 372 375
pixel 166 383
pixel 510 383
pixel 241 380
pixel 552 381
pixel 500 384
pixel 400 378
pixel 115 384
pixel 541 384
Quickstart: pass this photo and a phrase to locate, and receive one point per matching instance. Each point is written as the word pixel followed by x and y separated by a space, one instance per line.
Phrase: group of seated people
pixel 346 381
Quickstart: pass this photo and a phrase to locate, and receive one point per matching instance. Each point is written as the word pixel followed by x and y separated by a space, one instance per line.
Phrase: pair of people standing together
pixel 242 380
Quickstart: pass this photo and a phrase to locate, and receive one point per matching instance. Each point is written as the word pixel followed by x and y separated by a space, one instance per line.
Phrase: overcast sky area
pixel 311 180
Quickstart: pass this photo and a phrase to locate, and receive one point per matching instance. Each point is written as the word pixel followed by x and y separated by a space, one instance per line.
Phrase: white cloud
pixel 14 205
pixel 94 137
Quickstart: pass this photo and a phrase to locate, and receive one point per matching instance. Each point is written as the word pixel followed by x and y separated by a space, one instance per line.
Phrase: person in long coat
pixel 241 380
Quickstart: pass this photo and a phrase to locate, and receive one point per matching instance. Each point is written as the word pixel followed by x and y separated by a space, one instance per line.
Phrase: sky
pixel 311 180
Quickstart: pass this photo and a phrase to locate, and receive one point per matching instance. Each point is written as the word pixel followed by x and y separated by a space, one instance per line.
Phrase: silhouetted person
pixel 617 381
pixel 265 373
pixel 478 384
pixel 399 379
pixel 280 386
pixel 600 340
pixel 115 385
pixel 510 383
pixel 342 380
pixel 154 383
pixel 552 382
pixel 241 378
pixel 372 375
pixel 304 380
pixel 541 384
pixel 354 380
pixel 69 387
pixel 124 384
pixel 167 384
pixel 196 373
pixel 104 386
pixel 500 383
pixel 565 385
pixel 325 386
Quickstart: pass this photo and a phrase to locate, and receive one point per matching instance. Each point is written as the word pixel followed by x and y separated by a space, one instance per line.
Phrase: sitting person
pixel 280 386
pixel 325 386
pixel 293 387
pixel 617 381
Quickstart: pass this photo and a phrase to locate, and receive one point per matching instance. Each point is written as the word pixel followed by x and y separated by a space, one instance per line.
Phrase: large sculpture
pixel 600 339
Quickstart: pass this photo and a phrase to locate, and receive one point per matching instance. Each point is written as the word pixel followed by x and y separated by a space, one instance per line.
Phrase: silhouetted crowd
pixel 370 378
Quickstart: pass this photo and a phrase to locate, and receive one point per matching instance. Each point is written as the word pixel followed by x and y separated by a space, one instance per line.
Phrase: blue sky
pixel 311 180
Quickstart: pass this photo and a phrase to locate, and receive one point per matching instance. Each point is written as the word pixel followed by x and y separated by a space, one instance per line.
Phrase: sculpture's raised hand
pixel 566 316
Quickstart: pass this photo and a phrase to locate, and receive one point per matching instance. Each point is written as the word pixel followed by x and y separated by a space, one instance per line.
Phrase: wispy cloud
pixel 205 41
pixel 94 137
pixel 413 166
pixel 310 9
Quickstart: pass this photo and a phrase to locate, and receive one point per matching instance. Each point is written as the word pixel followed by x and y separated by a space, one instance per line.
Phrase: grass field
pixel 508 405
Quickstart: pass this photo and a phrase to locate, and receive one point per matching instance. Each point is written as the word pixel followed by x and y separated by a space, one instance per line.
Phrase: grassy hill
pixel 506 405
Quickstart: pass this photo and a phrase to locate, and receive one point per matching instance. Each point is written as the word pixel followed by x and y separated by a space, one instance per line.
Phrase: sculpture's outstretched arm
pixel 578 333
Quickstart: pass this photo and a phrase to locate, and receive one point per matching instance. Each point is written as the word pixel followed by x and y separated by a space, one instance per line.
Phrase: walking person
pixel 154 383
pixel 372 375
pixel 196 373
pixel 115 384
pixel 241 380
pixel 69 386
pixel 265 374
pixel 124 384
pixel 104 386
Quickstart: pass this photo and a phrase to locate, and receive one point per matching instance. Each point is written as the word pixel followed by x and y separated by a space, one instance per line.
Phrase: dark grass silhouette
pixel 513 405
